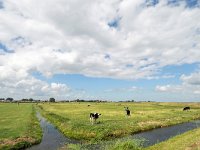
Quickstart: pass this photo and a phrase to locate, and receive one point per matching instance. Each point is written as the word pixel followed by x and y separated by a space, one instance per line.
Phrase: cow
pixel 186 108
pixel 94 117
pixel 128 112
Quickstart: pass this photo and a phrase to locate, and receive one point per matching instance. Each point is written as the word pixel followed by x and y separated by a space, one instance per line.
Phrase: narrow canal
pixel 52 138
pixel 161 134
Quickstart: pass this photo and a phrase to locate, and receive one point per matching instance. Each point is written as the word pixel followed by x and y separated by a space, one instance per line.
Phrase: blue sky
pixel 3 47
pixel 116 89
pixel 77 81
pixel 112 50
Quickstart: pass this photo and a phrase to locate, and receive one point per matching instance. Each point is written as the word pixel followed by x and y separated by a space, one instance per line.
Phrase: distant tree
pixel 2 99
pixel 9 99
pixel 52 99
pixel 24 99
pixel 30 99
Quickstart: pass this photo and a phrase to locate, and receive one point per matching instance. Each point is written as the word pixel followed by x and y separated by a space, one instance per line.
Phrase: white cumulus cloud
pixel 190 85
pixel 115 39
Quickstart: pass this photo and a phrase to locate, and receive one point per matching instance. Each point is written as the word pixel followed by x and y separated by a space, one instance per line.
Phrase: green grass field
pixel 18 126
pixel 73 118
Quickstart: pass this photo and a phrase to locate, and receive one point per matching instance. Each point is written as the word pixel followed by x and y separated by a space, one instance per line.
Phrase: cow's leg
pixel 91 120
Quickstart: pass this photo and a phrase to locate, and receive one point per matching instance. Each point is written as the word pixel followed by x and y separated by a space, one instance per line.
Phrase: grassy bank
pixel 73 118
pixel 19 127
pixel 187 141
pixel 128 144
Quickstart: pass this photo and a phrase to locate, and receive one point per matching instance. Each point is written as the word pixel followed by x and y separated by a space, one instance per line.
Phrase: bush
pixel 52 99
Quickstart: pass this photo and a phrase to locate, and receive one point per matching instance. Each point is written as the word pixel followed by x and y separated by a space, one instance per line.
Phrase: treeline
pixel 7 99
pixel 10 99
pixel 50 100
pixel 135 101
pixel 53 100
pixel 127 101
pixel 82 100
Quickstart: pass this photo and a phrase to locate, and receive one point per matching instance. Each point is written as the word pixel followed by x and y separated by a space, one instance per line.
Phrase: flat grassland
pixel 73 118
pixel 19 127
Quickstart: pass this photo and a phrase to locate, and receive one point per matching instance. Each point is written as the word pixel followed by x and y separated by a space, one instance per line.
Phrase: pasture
pixel 18 126
pixel 73 118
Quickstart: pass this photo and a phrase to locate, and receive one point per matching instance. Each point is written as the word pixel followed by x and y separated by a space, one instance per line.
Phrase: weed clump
pixel 130 144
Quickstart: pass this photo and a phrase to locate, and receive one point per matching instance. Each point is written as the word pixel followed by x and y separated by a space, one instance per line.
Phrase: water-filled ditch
pixel 53 139
pixel 161 134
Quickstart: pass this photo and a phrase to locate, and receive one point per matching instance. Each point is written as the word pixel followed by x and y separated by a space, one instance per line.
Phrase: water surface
pixel 52 138
pixel 161 134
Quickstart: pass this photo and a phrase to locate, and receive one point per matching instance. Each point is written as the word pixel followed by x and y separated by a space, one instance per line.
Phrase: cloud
pixel 21 85
pixel 147 38
pixel 190 85
pixel 114 39
pixel 161 77
pixel 168 88
pixel 192 79
pixel 122 90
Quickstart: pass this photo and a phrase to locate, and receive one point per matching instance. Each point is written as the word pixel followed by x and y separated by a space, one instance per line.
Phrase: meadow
pixel 19 127
pixel 72 119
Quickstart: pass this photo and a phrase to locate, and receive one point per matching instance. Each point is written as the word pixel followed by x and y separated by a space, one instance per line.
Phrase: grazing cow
pixel 94 117
pixel 186 108
pixel 128 112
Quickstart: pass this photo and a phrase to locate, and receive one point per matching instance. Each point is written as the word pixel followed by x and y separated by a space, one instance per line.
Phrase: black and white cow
pixel 186 108
pixel 128 112
pixel 94 117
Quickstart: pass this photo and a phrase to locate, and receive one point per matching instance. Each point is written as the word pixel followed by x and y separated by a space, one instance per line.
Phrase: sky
pixel 116 50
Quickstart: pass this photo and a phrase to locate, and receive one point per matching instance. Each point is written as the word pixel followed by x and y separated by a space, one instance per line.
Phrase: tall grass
pixel 128 144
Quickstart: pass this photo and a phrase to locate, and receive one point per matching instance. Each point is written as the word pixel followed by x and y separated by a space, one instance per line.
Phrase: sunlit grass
pixel 113 123
pixel 19 126
pixel 14 120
